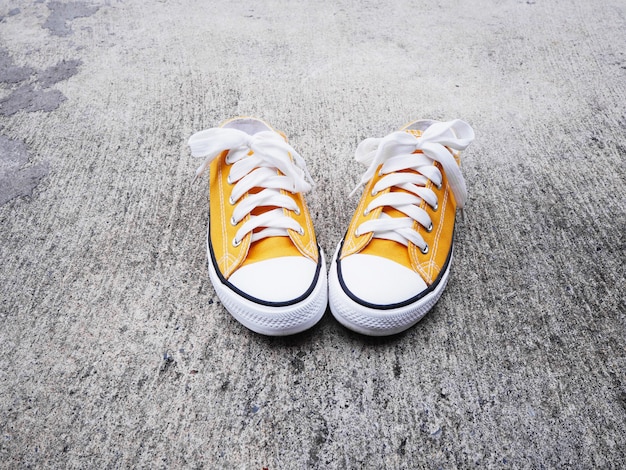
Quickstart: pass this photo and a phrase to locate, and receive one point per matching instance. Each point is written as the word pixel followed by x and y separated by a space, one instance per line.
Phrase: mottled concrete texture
pixel 116 352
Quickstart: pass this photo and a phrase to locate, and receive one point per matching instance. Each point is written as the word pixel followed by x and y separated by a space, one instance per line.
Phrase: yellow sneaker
pixel 263 257
pixel 394 261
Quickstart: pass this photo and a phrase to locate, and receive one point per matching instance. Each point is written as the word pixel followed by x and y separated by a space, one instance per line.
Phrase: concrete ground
pixel 116 352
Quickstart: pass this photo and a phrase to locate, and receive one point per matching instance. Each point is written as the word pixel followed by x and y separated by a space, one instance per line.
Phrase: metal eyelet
pixel 297 211
pixel 357 233
pixel 236 242
pixel 228 180
pixel 231 200
pixel 424 250
pixel 439 186
pixel 429 228
pixel 301 231
pixel 374 192
pixel 436 207
pixel 366 212
pixel 233 221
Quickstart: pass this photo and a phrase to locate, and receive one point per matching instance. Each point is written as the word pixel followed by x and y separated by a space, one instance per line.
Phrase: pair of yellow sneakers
pixel 394 260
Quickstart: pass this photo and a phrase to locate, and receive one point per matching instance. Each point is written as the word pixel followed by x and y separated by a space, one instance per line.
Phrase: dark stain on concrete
pixel 11 73
pixel 63 13
pixel 297 364
pixel 30 88
pixel 402 448
pixel 59 72
pixel 319 439
pixel 33 93
pixel 397 368
pixel 16 181
pixel 27 98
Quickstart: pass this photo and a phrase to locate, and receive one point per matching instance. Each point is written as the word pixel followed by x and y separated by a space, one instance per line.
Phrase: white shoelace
pixel 395 153
pixel 271 155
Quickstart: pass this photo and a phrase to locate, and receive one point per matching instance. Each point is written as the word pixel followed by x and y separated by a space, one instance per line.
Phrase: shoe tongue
pixel 419 125
pixel 249 125
pixel 414 132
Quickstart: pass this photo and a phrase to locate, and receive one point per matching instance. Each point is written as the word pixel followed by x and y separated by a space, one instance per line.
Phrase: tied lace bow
pixel 393 154
pixel 263 160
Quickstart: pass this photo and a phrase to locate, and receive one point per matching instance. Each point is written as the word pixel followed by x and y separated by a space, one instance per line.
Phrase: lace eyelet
pixel 233 222
pixel 297 211
pixel 435 207
pixel 424 250
pixel 301 231
pixel 236 242
pixel 366 213
pixel 231 201
pixel 228 180
pixel 429 228
pixel 439 186
pixel 374 192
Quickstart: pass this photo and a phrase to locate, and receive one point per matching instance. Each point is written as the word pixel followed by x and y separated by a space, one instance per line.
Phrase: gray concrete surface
pixel 115 351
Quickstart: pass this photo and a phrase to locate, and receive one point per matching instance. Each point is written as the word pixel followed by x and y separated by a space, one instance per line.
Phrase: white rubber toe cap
pixel 277 279
pixel 380 281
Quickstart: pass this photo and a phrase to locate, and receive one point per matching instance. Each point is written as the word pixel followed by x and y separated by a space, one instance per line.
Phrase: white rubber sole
pixel 379 321
pixel 273 320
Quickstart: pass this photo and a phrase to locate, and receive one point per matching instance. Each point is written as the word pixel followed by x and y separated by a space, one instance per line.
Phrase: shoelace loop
pixel 263 160
pixel 393 154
